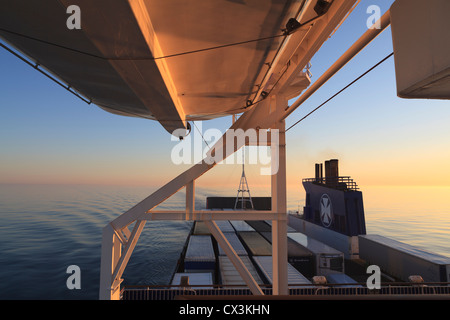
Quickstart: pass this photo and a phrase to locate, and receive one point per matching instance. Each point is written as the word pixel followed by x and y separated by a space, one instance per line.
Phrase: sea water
pixel 44 229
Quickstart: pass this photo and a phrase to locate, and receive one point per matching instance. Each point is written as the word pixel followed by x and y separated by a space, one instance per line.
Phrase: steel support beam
pixel 125 256
pixel 190 200
pixel 266 114
pixel 109 258
pixel 356 48
pixel 161 215
pixel 234 258
pixel 279 224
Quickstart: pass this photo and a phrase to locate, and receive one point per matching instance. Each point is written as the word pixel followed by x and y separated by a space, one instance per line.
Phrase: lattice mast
pixel 243 188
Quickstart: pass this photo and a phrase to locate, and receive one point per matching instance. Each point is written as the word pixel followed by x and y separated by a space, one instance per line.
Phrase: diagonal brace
pixel 231 254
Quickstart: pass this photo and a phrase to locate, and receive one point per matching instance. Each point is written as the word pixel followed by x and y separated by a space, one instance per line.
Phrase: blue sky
pixel 48 135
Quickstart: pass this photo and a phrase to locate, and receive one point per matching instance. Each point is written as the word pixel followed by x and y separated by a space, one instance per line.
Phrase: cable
pixel 340 91
pixel 285 33
pixel 36 66
pixel 136 58
pixel 213 48
pixel 291 27
pixel 201 135
pixel 139 58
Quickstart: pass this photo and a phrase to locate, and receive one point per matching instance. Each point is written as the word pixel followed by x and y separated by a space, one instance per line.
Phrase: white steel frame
pixel 118 241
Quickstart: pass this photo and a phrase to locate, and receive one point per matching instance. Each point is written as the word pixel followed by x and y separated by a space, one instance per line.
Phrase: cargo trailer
pixel 229 275
pixel 299 257
pixel 224 226
pixel 200 256
pixel 235 243
pixel 240 225
pixel 328 259
pixel 295 278
pixel 255 243
pixel 260 226
pixel 289 228
pixel 200 228
pixel 402 260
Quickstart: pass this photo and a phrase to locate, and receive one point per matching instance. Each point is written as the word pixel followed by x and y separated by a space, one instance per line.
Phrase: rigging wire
pixel 201 134
pixel 89 101
pixel 340 91
pixel 285 32
pixel 140 58
pixel 36 66
pixel 291 27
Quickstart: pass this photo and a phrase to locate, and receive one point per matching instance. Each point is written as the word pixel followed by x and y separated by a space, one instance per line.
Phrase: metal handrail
pixel 341 182
pixel 389 290
pixel 225 286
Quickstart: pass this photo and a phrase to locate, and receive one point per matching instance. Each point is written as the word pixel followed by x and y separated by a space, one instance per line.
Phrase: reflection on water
pixel 416 215
pixel 44 229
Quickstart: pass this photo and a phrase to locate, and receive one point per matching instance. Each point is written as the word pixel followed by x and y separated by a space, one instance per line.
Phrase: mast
pixel 243 188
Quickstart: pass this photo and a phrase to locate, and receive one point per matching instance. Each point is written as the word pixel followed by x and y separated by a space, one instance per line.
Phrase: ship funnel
pixel 319 172
pixel 331 171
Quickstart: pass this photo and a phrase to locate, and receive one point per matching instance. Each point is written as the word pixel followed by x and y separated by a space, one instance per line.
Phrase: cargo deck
pixel 224 281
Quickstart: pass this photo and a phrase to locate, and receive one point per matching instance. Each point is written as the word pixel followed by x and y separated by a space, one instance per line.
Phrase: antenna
pixel 243 188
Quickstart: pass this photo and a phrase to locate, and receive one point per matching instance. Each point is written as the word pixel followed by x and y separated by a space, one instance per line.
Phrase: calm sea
pixel 46 228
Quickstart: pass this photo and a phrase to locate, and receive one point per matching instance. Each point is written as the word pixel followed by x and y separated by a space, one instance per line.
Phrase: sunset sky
pixel 48 135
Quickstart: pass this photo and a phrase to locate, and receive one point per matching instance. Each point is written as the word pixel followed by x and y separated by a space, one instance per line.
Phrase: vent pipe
pixel 331 171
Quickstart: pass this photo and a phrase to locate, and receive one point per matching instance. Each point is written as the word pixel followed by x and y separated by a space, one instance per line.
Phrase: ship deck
pixel 391 288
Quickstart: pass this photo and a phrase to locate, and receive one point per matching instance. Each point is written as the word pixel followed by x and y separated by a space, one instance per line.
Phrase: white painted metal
pixel 235 259
pixel 161 195
pixel 125 256
pixel 210 215
pixel 265 115
pixel 421 48
pixel 145 24
pixel 190 200
pixel 142 211
pixel 304 47
pixel 279 225
pixel 108 262
pixel 119 39
pixel 359 45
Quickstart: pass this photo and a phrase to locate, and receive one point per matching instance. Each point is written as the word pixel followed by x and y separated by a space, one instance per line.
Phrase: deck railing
pixel 341 183
pixel 330 291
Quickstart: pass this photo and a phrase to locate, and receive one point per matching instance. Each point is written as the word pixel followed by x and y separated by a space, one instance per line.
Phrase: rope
pixel 340 91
